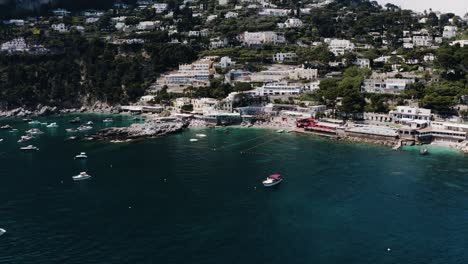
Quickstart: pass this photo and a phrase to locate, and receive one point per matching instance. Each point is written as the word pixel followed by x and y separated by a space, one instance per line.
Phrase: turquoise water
pixel 169 200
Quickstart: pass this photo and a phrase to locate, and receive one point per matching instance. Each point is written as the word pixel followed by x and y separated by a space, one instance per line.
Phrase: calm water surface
pixel 170 200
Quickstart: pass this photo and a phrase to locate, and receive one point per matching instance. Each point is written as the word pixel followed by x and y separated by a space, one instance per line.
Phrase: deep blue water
pixel 169 200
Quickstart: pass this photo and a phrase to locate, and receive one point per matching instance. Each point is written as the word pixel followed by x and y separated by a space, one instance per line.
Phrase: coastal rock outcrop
pixel 151 128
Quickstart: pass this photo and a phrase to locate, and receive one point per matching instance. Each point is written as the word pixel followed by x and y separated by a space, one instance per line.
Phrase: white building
pixel 196 74
pixel 339 46
pixel 449 32
pixel 226 62
pixel 406 114
pixel 279 88
pixel 61 27
pixel 275 12
pixel 386 86
pixel 217 43
pixel 303 74
pixel 223 2
pixel 284 56
pixel 160 7
pixel 61 12
pixel 147 25
pixel 422 40
pixel 231 14
pixel 15 45
pixel 291 23
pixel 259 38
pixel 462 43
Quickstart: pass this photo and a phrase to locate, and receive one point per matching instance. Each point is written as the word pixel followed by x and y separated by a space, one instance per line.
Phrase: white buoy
pixel 388 249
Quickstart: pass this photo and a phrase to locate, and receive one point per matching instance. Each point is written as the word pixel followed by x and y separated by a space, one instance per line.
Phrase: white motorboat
pixel 89 123
pixel 34 122
pixel 200 135
pixel 1 139
pixel 82 155
pixel 108 120
pixel 84 128
pixel 272 180
pixel 13 130
pixel 82 176
pixel 6 127
pixel 29 148
pixel 193 140
pixel 2 231
pixel 280 131
pixel 52 125
pixel 34 131
pixel 71 130
pixel 24 139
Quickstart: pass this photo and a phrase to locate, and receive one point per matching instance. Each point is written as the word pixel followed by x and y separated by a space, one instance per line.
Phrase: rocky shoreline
pixel 150 129
pixel 41 110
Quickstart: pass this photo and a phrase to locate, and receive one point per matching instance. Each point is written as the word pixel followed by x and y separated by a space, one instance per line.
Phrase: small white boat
pixel 34 122
pixel 43 124
pixel 89 123
pixel 52 125
pixel 1 139
pixel 24 139
pixel 200 135
pixel 280 131
pixel 82 176
pixel 84 128
pixel 71 130
pixel 272 180
pixel 82 155
pixel 75 120
pixel 193 140
pixel 108 120
pixel 34 131
pixel 29 148
pixel 6 127
pixel 2 231
pixel 13 130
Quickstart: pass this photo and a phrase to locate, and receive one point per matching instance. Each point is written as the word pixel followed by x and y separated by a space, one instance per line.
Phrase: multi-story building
pixel 406 114
pixel 15 45
pixel 284 56
pixel 303 73
pixel 462 43
pixel 279 88
pixel 160 7
pixel 196 74
pixel 386 86
pixel 339 46
pixel 449 32
pixel 276 12
pixel 422 40
pixel 291 23
pixel 259 38
pixel 61 27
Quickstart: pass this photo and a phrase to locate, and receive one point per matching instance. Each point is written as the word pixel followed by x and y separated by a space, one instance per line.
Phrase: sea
pixel 173 200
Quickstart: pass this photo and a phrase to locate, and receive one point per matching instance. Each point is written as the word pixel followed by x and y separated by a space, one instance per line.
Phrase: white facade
pixel 303 74
pixel 406 114
pixel 160 7
pixel 284 56
pixel 264 37
pixel 196 74
pixel 231 15
pixel 61 27
pixel 462 43
pixel 276 12
pixel 386 86
pixel 339 46
pixel 422 40
pixel 147 25
pixel 222 2
pixel 226 62
pixel 279 88
pixel 449 32
pixel 15 45
pixel 291 23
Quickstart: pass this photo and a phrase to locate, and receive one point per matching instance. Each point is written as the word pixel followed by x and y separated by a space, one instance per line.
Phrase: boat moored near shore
pixel 272 180
pixel 82 155
pixel 29 148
